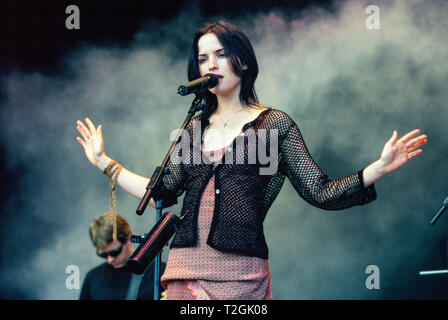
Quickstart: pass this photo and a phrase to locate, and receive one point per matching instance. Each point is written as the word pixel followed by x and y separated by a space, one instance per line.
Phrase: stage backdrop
pixel 347 80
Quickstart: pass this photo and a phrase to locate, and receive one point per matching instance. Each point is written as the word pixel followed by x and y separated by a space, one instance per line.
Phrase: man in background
pixel 112 280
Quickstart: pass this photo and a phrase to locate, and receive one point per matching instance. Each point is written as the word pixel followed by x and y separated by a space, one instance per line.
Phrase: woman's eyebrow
pixel 216 51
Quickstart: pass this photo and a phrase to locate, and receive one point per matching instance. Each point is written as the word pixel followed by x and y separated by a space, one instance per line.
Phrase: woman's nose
pixel 212 65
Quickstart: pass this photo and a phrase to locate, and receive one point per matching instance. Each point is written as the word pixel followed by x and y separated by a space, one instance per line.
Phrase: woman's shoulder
pixel 278 117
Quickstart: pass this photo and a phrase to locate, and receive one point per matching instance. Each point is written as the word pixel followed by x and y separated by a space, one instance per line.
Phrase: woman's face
pixel 212 59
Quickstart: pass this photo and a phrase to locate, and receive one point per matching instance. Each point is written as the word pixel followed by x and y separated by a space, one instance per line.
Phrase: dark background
pixel 33 42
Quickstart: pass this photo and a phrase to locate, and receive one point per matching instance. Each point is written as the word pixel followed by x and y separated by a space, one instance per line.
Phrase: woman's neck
pixel 228 105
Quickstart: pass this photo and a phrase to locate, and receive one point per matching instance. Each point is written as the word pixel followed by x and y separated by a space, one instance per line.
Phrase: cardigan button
pixel 229 149
pixel 217 191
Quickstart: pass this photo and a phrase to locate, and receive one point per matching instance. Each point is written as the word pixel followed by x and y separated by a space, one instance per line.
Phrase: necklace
pixel 228 120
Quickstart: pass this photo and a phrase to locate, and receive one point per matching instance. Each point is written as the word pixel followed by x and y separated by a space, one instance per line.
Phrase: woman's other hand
pixel 93 143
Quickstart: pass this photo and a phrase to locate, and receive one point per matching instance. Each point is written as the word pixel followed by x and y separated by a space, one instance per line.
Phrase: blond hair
pixel 101 231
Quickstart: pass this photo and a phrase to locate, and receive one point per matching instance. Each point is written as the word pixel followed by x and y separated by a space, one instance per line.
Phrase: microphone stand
pixel 432 272
pixel 154 187
pixel 441 210
pixel 423 273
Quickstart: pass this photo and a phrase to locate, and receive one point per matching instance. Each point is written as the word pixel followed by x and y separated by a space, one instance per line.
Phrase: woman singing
pixel 219 250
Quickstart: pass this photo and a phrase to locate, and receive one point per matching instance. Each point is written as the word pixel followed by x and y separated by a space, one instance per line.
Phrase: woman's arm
pixel 93 144
pixel 311 183
pixel 314 186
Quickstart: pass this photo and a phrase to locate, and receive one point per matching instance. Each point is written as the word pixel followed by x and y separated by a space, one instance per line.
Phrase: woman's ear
pixel 242 64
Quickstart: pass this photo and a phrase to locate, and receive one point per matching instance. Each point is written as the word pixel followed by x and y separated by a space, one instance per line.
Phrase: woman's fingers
pixel 81 141
pixel 87 132
pixel 83 130
pixel 100 130
pixel 415 153
pixel 393 138
pixel 91 126
pixel 417 145
pixel 409 135
pixel 416 141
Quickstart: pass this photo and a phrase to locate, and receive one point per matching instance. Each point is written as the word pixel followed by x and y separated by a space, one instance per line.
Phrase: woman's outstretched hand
pixel 397 152
pixel 92 142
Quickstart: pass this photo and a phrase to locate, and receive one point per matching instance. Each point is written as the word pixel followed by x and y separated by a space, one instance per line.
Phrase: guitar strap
pixel 134 287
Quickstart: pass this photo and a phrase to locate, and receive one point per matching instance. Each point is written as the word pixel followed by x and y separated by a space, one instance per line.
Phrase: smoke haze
pixel 347 87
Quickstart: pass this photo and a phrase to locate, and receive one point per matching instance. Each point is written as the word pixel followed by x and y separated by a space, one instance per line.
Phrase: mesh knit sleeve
pixel 174 181
pixel 312 184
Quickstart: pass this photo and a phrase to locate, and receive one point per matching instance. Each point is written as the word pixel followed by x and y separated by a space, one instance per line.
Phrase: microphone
pixel 439 213
pixel 153 242
pixel 201 84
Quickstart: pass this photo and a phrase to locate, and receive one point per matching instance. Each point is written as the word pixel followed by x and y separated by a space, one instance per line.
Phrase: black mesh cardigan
pixel 246 184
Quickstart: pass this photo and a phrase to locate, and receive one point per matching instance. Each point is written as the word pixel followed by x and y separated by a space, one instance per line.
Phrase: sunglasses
pixel 113 253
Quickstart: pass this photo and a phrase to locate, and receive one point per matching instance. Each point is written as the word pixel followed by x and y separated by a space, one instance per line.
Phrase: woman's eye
pixel 201 60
